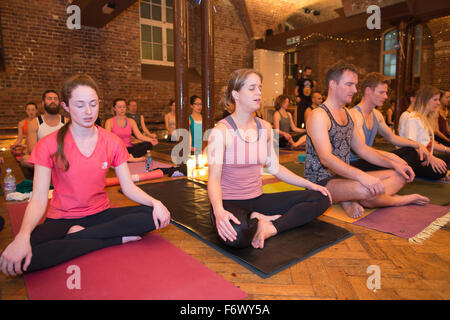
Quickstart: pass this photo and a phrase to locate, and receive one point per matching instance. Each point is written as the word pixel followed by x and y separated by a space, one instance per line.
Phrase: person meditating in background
pixel 170 120
pixel 238 147
pixel 79 218
pixel 43 125
pixel 195 125
pixel 31 111
pixel 442 131
pixel 123 127
pixel 139 119
pixel 369 122
pixel 283 122
pixel 419 126
pixel 316 99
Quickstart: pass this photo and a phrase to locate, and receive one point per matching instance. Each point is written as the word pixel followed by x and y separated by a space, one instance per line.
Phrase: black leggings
pixel 295 207
pixel 284 143
pixel 411 156
pixel 51 245
pixel 139 149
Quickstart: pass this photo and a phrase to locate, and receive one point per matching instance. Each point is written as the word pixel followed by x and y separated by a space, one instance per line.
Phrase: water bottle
pixel 148 161
pixel 10 182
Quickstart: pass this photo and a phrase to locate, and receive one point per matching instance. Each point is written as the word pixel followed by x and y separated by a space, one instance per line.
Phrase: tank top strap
pixel 233 125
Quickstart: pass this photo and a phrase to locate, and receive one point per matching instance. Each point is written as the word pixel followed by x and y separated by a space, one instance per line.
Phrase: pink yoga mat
pixel 405 221
pixel 149 269
pixel 143 176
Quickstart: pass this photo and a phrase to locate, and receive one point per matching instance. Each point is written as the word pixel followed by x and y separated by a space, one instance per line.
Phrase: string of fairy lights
pixel 298 40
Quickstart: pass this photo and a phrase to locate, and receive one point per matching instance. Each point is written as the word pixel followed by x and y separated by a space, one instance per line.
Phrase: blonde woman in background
pixel 420 125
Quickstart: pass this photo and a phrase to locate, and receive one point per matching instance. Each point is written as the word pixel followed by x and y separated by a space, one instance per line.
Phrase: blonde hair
pixel 423 97
pixel 428 119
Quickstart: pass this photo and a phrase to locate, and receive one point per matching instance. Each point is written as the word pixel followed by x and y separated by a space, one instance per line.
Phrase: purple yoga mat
pixel 405 221
pixel 139 167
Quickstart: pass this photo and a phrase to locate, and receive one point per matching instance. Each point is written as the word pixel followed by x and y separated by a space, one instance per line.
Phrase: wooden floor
pixel 339 272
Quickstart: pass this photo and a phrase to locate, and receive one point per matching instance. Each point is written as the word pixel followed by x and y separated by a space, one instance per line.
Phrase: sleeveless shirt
pixel 243 162
pixel 44 129
pixel 340 139
pixel 369 134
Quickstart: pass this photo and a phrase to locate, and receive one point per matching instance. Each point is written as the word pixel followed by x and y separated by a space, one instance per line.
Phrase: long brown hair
pixel 66 93
pixel 279 101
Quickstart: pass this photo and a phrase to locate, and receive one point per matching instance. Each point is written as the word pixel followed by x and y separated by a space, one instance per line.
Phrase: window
pixel 156 19
pixel 389 53
pixel 292 65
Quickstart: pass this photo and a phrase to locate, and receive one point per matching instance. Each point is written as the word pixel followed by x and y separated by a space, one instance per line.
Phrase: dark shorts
pixel 325 181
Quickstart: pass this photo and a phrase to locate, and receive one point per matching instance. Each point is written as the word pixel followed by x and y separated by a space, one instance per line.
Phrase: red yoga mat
pixel 149 269
pixel 113 181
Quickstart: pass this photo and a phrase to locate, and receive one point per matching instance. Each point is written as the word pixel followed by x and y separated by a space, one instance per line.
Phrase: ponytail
pixel 59 154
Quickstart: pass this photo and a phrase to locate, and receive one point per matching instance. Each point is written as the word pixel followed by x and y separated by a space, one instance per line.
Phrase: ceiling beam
pixel 92 14
pixel 242 12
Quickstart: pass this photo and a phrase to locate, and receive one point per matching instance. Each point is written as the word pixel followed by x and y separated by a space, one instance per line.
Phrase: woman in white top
pixel 419 126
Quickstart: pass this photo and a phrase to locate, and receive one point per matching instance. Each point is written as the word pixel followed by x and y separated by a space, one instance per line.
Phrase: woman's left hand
pixel 321 189
pixel 161 216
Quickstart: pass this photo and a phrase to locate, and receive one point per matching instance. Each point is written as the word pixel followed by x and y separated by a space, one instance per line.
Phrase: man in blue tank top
pixel 331 134
pixel 369 121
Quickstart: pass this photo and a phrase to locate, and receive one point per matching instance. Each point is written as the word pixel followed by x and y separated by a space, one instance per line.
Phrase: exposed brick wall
pixel 320 55
pixel 41 52
pixel 435 66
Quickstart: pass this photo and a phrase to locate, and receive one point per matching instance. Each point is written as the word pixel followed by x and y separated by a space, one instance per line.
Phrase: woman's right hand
pixel 223 225
pixel 438 165
pixel 287 136
pixel 11 259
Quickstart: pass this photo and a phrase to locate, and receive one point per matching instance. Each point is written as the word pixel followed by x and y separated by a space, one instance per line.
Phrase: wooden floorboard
pixel 407 271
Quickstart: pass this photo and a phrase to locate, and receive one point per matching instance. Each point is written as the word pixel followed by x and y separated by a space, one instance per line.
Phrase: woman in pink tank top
pixel 239 146
pixel 124 127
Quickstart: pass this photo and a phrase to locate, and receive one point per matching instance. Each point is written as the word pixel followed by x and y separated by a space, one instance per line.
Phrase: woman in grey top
pixel 282 121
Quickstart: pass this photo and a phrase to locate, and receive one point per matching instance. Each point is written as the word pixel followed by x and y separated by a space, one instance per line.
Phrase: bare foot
pixel 353 209
pixel 130 239
pixel 74 229
pixel 414 199
pixel 260 216
pixel 264 231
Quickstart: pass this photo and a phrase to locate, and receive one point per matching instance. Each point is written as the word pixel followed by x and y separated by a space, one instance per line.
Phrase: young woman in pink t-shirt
pixel 238 148
pixel 79 218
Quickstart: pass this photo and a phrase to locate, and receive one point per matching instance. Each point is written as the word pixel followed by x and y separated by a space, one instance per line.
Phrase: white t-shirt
pixel 414 129
pixel 401 123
